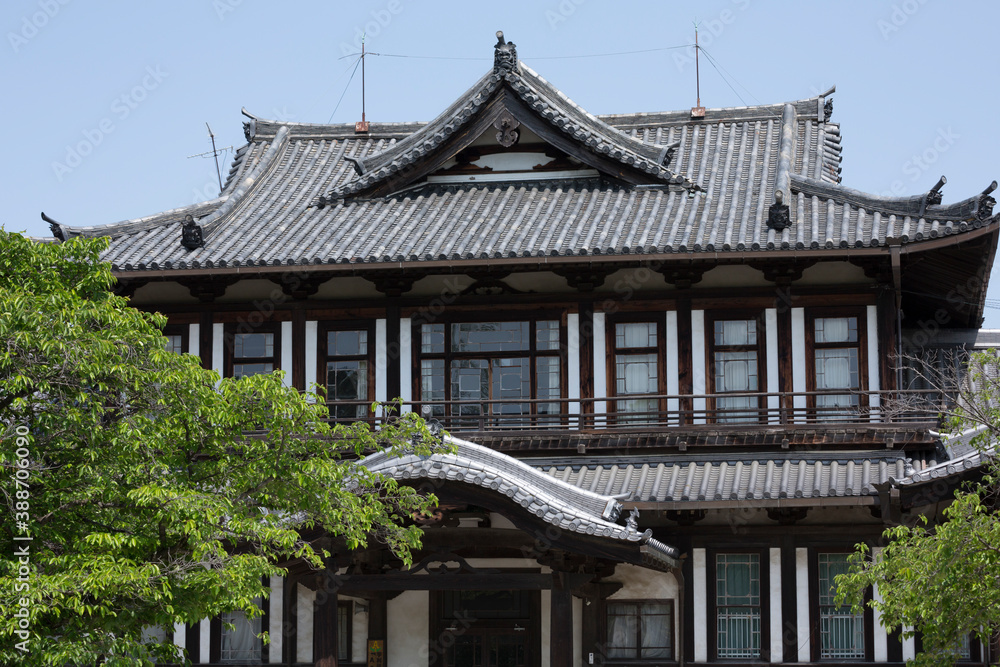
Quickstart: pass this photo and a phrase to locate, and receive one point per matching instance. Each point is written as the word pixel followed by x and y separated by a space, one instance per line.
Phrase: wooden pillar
pixel 685 377
pixel 783 304
pixel 888 345
pixel 587 362
pixel 205 338
pixel 290 624
pixel 325 628
pixel 298 369
pixel 560 623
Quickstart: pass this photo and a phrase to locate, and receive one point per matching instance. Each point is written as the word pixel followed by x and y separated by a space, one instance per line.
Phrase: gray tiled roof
pixel 562 505
pixel 733 478
pixel 267 212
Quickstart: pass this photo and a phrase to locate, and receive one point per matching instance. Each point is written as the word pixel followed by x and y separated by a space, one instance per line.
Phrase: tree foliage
pixel 153 491
pixel 943 579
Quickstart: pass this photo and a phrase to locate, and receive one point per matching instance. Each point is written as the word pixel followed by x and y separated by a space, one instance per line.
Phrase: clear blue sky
pixel 103 104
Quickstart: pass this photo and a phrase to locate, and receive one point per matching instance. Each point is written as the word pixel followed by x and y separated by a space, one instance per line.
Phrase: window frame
pixel 757 317
pixel 532 317
pixel 811 315
pixel 182 330
pixel 604 627
pixel 229 346
pixel 815 637
pixel 215 638
pixel 348 605
pixel 764 605
pixel 323 357
pixel 611 373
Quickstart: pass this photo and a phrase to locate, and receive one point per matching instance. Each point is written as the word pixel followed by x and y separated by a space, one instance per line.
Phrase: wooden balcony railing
pixel 759 410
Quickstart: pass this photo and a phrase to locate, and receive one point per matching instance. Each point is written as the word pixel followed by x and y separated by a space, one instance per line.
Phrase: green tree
pixel 154 492
pixel 943 579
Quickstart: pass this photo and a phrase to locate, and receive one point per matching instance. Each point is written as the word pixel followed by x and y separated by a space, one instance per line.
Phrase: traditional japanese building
pixel 663 345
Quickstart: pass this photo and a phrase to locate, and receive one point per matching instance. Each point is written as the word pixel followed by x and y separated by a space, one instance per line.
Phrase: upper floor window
pixel 735 350
pixel 176 336
pixel 253 352
pixel 502 368
pixel 637 370
pixel 640 629
pixel 837 361
pixel 348 367
pixel 841 631
pixel 738 605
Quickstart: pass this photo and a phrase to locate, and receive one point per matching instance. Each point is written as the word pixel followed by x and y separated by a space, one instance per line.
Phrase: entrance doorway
pixel 488 628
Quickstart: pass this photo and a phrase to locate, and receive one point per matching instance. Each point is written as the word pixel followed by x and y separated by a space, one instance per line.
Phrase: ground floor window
pixel 240 640
pixel 640 629
pixel 842 632
pixel 738 605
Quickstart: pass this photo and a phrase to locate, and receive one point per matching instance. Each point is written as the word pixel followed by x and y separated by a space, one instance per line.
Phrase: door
pixel 492 647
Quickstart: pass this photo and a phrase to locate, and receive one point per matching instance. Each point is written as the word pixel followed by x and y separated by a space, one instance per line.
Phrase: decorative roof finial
pixel 504 55
pixel 191 236
pixel 778 215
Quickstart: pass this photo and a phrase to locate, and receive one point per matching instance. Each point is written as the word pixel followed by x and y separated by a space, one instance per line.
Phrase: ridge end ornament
pixel 504 55
pixel 507 125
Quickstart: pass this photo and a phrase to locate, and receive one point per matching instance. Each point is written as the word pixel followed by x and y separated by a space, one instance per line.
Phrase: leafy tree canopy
pixel 943 579
pixel 154 492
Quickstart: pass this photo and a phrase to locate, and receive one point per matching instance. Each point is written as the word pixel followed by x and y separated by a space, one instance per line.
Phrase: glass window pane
pixel 345 343
pixel 738 605
pixel 253 345
pixel 246 370
pixel 489 336
pixel 547 335
pixel 836 329
pixel 343 633
pixel 175 343
pixel 636 374
pixel 635 334
pixel 432 384
pixel 735 332
pixel 837 368
pixel 241 643
pixel 432 338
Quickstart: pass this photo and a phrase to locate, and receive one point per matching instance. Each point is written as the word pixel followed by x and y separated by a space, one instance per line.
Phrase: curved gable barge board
pixel 115 229
pixel 212 222
pixel 557 503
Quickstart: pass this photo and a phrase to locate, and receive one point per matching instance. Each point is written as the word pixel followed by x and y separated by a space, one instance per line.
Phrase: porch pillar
pixel 561 623
pixel 325 627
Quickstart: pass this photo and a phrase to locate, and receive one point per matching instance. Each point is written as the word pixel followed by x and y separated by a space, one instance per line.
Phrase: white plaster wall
pixel 802 602
pixel 304 615
pixel 874 382
pixel 546 627
pixel 698 362
pixel 405 361
pixel 180 635
pixel 799 358
pixel 204 640
pixel 286 352
pixel 573 362
pixel 218 338
pixel 158 292
pixel 909 644
pixel 381 360
pixel 881 638
pixel 312 343
pixel 827 273
pixel 275 619
pixel 348 288
pixel 700 592
pixel 498 520
pixel 600 367
pixel 673 363
pixel 776 624
pixel 771 349
pixel 194 339
pixel 734 275
pixel 406 644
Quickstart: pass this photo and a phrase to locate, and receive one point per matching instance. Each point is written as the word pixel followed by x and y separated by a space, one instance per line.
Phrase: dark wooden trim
pixel 325 628
pixel 560 622
pixel 393 360
pixel 192 641
pixel 586 345
pixel 298 369
pixel 789 607
pixel 687 629
pixel 290 619
pixel 887 344
pixel 365 583
pixel 215 639
pixel 685 373
pixel 205 338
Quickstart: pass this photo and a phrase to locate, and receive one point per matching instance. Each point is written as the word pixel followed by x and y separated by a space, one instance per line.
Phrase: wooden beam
pixel 325 628
pixel 369 583
pixel 561 622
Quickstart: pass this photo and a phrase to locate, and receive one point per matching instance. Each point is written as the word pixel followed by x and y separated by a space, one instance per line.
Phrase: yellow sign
pixel 376 653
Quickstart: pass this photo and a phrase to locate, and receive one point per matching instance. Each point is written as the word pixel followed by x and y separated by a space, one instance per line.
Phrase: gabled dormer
pixel 511 125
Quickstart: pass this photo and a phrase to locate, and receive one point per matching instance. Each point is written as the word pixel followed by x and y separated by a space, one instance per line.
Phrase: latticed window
pixel 837 365
pixel 241 643
pixel 842 632
pixel 640 629
pixel 490 367
pixel 735 370
pixel 637 371
pixel 348 373
pixel 175 343
pixel 737 590
pixel 253 353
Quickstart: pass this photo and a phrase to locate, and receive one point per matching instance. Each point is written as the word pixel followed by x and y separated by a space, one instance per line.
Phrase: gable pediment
pixel 511 111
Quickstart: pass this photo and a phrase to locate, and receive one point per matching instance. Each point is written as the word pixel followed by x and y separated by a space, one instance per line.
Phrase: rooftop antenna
pixel 363 125
pixel 215 152
pixel 697 111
